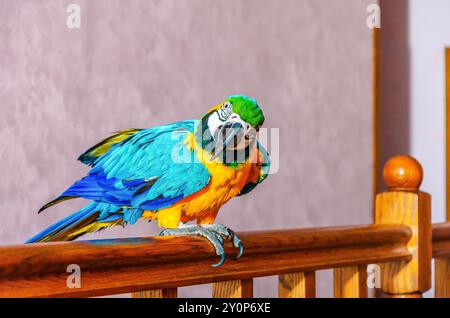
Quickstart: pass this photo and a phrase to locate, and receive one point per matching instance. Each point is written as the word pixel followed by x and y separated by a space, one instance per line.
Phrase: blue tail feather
pixel 73 219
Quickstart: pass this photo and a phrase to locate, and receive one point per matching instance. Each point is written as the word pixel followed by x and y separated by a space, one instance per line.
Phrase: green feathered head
pixel 248 109
pixel 231 126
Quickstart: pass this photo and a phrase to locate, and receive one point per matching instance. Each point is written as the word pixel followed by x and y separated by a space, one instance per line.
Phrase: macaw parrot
pixel 175 173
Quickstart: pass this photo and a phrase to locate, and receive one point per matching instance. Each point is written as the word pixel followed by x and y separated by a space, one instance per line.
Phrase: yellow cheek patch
pixel 217 107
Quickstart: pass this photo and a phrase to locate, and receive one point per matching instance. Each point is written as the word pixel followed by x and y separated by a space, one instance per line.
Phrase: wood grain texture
pixel 233 289
pixel 447 133
pixel 129 265
pixel 350 282
pixel 411 295
pixel 441 232
pixel 156 293
pixel 405 204
pixel 297 285
pixel 442 277
pixel 441 240
pixel 412 209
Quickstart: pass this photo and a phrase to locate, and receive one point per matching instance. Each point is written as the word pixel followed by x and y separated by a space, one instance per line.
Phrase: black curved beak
pixel 230 133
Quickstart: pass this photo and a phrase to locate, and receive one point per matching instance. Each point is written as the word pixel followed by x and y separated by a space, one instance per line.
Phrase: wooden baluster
pixel 156 293
pixel 405 204
pixel 350 282
pixel 297 285
pixel 447 133
pixel 442 265
pixel 233 289
pixel 442 277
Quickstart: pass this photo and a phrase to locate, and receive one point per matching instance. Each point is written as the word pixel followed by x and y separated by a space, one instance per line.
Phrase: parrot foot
pixel 213 233
pixel 228 233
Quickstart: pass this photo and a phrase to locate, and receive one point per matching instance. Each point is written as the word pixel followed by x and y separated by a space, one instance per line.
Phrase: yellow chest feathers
pixel 225 183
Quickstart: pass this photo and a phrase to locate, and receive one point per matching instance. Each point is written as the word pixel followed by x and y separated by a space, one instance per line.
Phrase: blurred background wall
pixel 429 34
pixel 144 63
pixel 414 35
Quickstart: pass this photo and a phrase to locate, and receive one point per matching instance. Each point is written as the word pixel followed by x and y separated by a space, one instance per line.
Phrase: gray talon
pixel 241 250
pixel 236 241
pixel 214 233
pixel 222 259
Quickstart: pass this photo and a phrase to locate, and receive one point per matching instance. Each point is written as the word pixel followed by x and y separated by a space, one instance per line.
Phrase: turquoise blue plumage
pixel 118 177
pixel 173 173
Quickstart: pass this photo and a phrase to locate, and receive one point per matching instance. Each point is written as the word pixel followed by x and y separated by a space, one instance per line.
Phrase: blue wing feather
pixel 133 175
pixel 119 176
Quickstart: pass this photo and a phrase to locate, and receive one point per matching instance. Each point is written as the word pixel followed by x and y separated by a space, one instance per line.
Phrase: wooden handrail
pixel 402 242
pixel 128 265
pixel 441 240
pixel 441 253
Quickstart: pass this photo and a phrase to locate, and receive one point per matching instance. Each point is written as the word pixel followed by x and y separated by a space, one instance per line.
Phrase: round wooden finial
pixel 403 173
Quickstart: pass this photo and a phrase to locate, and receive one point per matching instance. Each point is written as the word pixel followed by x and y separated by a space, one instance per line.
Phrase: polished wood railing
pixel 128 265
pixel 442 262
pixel 441 253
pixel 400 241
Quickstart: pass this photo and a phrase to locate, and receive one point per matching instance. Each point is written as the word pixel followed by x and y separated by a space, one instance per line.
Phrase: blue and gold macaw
pixel 172 173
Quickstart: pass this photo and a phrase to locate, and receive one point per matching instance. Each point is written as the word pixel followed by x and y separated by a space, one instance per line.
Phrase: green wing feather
pixel 90 155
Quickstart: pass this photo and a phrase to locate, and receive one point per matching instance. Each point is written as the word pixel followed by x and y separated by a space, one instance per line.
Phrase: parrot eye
pixel 225 111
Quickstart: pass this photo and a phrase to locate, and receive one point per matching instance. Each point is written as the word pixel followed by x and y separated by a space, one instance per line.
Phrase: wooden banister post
pixel 442 265
pixel 297 285
pixel 233 289
pixel 156 293
pixel 350 282
pixel 442 277
pixel 403 203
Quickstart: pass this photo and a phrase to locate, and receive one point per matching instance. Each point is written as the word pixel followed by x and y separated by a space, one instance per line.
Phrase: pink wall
pixel 143 63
